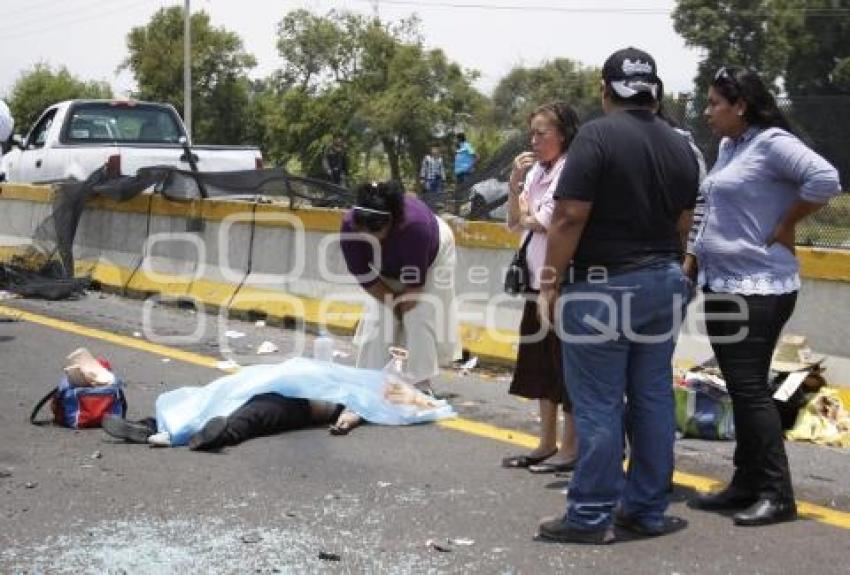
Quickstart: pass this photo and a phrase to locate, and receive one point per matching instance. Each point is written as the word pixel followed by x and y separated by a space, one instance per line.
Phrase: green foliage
pixel 841 74
pixel 805 43
pixel 221 90
pixel 374 83
pixel 523 89
pixel 41 87
pixel 819 52
pixel 751 33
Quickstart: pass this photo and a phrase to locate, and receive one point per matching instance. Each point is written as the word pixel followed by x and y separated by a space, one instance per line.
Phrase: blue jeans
pixel 635 317
pixel 433 192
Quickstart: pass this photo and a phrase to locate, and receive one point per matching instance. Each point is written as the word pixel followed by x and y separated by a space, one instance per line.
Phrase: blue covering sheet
pixel 184 411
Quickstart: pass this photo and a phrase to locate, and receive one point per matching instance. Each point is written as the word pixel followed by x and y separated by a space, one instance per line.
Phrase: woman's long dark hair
pixel 379 204
pixel 736 84
pixel 565 118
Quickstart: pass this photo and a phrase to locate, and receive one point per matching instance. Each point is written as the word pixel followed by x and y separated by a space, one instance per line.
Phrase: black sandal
pixel 523 461
pixel 547 467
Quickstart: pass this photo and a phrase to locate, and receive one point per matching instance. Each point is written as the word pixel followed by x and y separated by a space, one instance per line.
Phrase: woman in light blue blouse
pixel 764 182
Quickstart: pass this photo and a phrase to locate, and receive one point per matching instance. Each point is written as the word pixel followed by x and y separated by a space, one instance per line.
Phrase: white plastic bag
pixel 394 371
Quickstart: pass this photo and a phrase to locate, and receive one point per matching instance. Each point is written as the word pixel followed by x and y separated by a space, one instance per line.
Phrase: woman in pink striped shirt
pixel 538 373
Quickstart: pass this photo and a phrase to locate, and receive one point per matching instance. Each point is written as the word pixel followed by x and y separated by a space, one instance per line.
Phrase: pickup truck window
pixel 131 123
pixel 39 133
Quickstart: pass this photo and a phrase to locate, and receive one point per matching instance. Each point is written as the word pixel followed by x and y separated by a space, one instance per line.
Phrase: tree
pixel 376 81
pixel 221 89
pixel 817 77
pixel 803 43
pixel 41 87
pixel 750 33
pixel 523 89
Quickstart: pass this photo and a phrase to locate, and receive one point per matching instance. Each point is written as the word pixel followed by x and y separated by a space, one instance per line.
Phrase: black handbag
pixel 517 278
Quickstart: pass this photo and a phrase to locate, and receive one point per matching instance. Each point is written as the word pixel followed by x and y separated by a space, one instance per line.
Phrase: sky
pixel 491 36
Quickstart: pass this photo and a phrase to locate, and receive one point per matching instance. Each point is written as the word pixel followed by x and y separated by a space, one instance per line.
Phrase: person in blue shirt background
pixel 465 158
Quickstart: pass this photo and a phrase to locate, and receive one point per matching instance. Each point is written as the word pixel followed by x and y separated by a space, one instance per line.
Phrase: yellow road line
pixel 817 513
pixel 124 341
pixel 471 427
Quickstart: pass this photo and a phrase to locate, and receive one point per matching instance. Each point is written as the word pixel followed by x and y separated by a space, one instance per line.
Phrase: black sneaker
pixel 669 524
pixel 127 430
pixel 767 511
pixel 211 436
pixel 558 529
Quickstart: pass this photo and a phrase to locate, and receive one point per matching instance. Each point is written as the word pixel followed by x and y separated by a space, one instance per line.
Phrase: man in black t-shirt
pixel 623 211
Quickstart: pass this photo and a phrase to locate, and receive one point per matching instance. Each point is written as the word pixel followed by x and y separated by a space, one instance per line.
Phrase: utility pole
pixel 376 9
pixel 187 69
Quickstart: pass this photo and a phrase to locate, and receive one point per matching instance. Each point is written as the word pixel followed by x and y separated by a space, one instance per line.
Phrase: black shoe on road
pixel 127 430
pixel 557 529
pixel 766 512
pixel 730 498
pixel 211 436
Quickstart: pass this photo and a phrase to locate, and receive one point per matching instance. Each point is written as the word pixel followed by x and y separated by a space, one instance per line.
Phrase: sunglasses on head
pixel 726 74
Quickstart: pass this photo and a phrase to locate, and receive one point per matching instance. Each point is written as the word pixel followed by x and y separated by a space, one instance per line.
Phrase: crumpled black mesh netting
pixel 46 268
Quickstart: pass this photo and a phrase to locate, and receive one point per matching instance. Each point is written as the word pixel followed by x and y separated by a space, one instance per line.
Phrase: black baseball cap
pixel 630 72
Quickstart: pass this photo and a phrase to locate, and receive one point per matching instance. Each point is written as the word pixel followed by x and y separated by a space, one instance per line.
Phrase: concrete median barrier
pixel 110 240
pixel 22 210
pixel 268 261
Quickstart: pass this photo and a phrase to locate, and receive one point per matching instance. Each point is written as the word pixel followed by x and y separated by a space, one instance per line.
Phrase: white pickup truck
pixel 74 138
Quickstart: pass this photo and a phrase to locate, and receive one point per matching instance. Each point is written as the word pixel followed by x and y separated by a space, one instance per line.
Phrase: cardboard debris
pixel 267 347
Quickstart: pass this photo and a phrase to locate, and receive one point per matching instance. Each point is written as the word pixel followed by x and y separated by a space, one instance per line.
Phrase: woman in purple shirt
pixel 404 257
pixel 764 182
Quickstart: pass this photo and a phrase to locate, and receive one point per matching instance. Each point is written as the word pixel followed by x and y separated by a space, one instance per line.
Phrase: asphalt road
pixel 79 502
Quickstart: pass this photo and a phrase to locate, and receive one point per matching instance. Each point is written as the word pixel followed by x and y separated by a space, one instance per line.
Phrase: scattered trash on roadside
pixel 260 323
pixel 137 334
pixel 233 334
pixel 467 366
pixel 166 360
pixel 341 354
pixel 96 455
pixel 824 420
pixel 226 364
pixel 438 546
pixel 462 542
pixel 384 484
pixel 325 556
pixel 251 538
pixel 4 295
pixel 469 404
pixel 84 370
pixel 31 484
pixel 267 347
